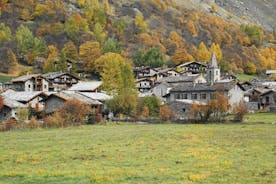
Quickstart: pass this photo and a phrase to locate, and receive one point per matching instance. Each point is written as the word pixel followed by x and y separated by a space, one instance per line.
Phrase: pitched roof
pixel 12 103
pixel 143 79
pixel 86 86
pixel 22 96
pixel 189 87
pixel 96 96
pixel 70 95
pixel 173 79
pixel 24 78
pixel 53 75
pixel 269 91
pixel 188 63
pixel 269 72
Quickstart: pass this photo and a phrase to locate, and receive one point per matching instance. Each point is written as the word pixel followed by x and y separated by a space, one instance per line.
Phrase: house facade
pixel 29 83
pixel 60 80
pixel 9 109
pixel 194 67
pixel 143 85
pixel 205 92
pixel 32 99
pixel 268 98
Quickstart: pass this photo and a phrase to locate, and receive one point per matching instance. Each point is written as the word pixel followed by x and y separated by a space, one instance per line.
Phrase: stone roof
pixel 172 79
pixel 188 63
pixel 70 95
pixel 24 78
pixel 86 86
pixel 53 75
pixel 190 87
pixel 269 72
pixel 97 96
pixel 13 104
pixel 269 91
pixel 21 96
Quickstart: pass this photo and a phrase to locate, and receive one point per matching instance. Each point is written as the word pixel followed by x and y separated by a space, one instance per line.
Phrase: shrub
pixel 33 123
pixel 9 124
pixel 22 114
pixel 54 121
pixel 215 109
pixel 239 111
pixel 165 113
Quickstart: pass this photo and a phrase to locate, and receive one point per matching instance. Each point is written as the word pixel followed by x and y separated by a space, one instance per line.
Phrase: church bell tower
pixel 213 71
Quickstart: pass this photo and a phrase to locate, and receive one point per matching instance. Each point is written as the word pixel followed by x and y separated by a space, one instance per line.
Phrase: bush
pixel 215 109
pixel 54 121
pixel 33 123
pixel 239 111
pixel 165 113
pixel 73 112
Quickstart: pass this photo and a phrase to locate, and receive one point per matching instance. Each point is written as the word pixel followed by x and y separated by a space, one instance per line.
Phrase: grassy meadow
pixel 127 153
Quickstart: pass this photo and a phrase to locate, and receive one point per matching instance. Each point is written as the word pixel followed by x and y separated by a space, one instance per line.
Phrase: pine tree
pixel 203 54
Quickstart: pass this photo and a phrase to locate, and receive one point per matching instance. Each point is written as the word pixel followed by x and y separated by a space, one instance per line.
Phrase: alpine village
pixel 193 66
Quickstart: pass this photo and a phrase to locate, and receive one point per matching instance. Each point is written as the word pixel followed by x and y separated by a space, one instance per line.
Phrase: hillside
pixel 41 33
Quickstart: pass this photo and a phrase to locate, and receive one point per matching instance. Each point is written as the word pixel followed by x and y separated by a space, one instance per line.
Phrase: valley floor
pixel 165 153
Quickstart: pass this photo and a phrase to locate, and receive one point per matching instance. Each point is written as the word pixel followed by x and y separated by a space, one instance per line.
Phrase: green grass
pixel 261 117
pixel 245 77
pixel 169 153
pixel 4 78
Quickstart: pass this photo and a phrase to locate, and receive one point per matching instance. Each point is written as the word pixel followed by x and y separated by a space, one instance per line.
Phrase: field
pixel 125 153
pixel 245 77
pixel 5 78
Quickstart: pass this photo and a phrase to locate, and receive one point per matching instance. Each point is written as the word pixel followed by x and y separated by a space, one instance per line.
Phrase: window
pixel 203 96
pixel 267 99
pixel 184 110
pixel 177 96
pixel 194 96
pixel 184 96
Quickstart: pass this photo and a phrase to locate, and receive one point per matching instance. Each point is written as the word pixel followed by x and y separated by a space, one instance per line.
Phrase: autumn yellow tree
pixel 53 56
pixel 202 53
pixel 89 51
pixel 70 51
pixel 140 23
pixel 191 28
pixel 118 81
pixel 250 68
pixel 215 48
pixel 13 63
pixel 181 56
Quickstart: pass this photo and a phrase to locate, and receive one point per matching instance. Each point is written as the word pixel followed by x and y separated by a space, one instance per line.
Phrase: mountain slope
pixel 175 27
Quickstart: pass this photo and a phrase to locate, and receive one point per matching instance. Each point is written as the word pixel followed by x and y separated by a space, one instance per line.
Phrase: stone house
pixel 9 109
pixel 143 84
pixel 181 108
pixel 203 92
pixel 163 86
pixel 33 82
pixel 268 98
pixel 54 101
pixel 194 67
pixel 60 80
pixel 32 99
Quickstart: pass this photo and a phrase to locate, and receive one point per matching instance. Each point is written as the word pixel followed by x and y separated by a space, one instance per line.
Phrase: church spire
pixel 213 62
